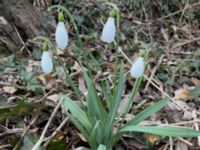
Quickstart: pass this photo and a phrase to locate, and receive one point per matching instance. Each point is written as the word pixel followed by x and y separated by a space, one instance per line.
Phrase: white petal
pixel 109 30
pixel 137 68
pixel 61 36
pixel 46 62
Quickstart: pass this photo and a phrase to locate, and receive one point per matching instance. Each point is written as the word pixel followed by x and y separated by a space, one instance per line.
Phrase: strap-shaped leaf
pixel 147 112
pixel 172 131
pixel 76 111
pixel 142 116
pixel 117 96
pixel 94 105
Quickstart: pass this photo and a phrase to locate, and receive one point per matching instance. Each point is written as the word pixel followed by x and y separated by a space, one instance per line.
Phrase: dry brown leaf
pixel 182 94
pixel 31 65
pixel 47 80
pixel 173 106
pixel 152 138
pixel 165 35
pixel 123 104
pixel 195 81
pixel 9 89
pixel 81 85
pixel 55 98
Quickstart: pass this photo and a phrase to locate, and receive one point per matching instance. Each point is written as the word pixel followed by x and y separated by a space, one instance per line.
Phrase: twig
pixel 25 131
pixel 48 140
pixel 184 9
pixel 185 43
pixel 196 127
pixel 170 98
pixel 39 142
pixel 120 50
pixel 47 94
pixel 154 71
pixel 179 11
pixel 23 43
pixel 5 146
pixel 185 141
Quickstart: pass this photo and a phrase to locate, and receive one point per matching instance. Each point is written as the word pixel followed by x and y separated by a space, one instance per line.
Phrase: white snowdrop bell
pixel 61 36
pixel 46 62
pixel 137 69
pixel 109 30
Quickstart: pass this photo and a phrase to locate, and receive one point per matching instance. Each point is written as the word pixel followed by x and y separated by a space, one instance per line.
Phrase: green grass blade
pixel 147 112
pixel 76 111
pixel 172 131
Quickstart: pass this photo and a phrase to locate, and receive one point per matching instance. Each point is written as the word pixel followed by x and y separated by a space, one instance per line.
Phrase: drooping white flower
pixel 109 30
pixel 137 69
pixel 61 36
pixel 46 62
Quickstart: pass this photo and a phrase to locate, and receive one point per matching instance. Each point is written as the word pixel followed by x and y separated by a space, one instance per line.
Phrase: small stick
pixel 185 141
pixel 196 127
pixel 5 146
pixel 25 131
pixel 154 71
pixel 185 43
pixel 48 140
pixel 39 142
pixel 179 11
pixel 124 55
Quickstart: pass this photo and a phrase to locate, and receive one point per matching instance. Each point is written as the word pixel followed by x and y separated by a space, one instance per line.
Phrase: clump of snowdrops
pixel 97 122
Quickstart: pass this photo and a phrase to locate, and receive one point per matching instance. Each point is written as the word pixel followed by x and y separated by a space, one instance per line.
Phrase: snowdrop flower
pixel 137 68
pixel 46 61
pixel 109 30
pixel 61 34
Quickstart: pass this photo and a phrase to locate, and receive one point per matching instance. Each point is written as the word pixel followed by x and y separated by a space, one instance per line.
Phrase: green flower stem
pixel 69 81
pixel 59 7
pixel 43 38
pixel 133 93
pixel 117 34
pixel 71 19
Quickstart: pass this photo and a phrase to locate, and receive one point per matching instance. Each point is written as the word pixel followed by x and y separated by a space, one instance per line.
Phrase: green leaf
pixel 101 147
pixel 195 93
pixel 172 131
pixel 147 112
pixel 107 94
pixel 117 96
pixel 76 111
pixel 142 116
pixel 94 104
pixel 114 105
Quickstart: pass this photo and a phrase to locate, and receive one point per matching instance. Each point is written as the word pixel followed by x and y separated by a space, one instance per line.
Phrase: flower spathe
pixel 61 36
pixel 137 69
pixel 46 62
pixel 109 31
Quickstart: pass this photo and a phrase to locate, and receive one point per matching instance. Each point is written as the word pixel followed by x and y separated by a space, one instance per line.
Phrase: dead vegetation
pixel 28 98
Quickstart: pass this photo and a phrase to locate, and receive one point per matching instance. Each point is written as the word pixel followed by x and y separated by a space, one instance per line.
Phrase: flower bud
pixel 137 69
pixel 46 62
pixel 109 30
pixel 61 34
